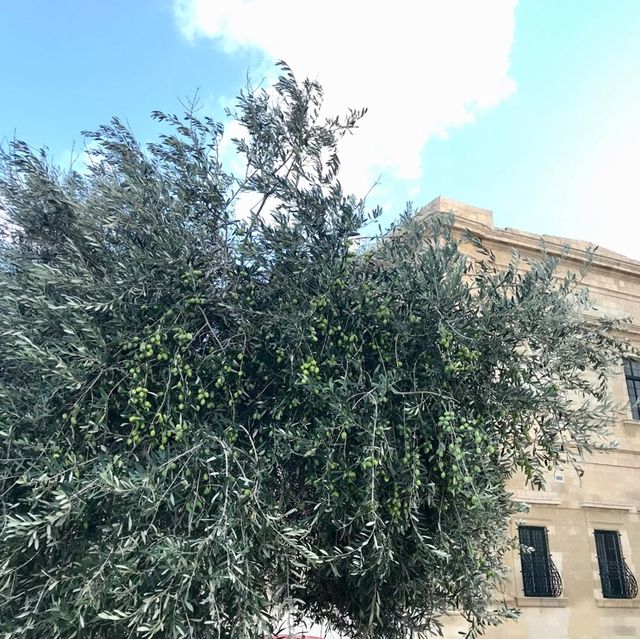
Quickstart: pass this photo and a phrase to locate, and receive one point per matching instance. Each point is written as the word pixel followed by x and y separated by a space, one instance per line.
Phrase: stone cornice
pixel 537 497
pixel 608 506
pixel 480 222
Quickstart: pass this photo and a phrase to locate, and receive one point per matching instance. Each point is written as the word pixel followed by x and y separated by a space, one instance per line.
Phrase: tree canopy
pixel 208 419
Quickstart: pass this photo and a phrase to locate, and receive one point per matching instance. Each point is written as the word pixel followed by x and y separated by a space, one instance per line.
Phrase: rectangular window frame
pixel 616 579
pixel 540 578
pixel 632 380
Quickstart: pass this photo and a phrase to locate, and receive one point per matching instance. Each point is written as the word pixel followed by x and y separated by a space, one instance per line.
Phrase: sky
pixel 530 108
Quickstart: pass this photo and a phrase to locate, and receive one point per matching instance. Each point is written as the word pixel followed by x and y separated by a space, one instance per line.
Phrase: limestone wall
pixel 607 497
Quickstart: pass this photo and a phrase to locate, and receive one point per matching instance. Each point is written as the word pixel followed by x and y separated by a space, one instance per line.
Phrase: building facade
pixel 580 580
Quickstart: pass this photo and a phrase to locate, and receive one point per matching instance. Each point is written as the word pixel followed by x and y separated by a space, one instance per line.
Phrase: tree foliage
pixel 206 420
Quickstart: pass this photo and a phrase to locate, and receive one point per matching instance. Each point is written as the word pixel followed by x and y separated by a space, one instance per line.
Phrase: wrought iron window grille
pixel 616 579
pixel 540 576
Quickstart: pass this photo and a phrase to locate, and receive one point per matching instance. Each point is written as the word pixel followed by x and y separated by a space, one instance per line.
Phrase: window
pixel 539 574
pixel 615 576
pixel 632 375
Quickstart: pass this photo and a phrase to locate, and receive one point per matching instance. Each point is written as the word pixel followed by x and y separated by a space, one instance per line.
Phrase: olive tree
pixel 208 419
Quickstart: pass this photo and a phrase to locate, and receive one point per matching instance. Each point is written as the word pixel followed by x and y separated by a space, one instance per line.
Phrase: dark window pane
pixel 632 375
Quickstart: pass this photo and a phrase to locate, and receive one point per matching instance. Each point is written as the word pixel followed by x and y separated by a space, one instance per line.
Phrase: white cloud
pixel 421 67
pixel 77 159
pixel 7 227
pixel 232 161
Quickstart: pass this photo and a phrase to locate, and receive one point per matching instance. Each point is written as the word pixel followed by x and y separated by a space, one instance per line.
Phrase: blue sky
pixel 529 108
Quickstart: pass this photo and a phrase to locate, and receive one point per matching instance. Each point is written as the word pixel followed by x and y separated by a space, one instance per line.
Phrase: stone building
pixel 580 581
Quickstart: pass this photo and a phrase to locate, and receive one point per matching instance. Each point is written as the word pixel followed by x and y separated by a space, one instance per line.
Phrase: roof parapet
pixel 465 212
pixel 480 222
